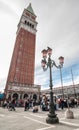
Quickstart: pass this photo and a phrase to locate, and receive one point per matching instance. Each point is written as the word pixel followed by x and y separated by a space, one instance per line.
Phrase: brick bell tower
pixel 20 81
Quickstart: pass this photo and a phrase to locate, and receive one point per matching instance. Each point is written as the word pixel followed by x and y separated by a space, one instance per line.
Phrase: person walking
pixel 26 106
pixel 13 104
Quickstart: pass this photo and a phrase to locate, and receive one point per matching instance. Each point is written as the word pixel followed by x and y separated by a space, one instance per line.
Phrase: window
pixel 32 26
pixel 28 23
pixel 25 22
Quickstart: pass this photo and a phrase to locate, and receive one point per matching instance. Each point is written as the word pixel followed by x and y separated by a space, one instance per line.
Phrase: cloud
pixel 8 9
pixel 2 84
pixel 60 29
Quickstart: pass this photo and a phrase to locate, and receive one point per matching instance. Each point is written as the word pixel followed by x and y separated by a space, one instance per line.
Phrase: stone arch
pixel 15 95
pixel 25 95
pixel 34 96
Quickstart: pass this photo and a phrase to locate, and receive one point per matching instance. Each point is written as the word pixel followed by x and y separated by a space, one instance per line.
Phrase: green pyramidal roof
pixel 29 8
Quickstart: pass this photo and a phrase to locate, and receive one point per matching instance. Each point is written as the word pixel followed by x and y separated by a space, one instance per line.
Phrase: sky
pixel 58 28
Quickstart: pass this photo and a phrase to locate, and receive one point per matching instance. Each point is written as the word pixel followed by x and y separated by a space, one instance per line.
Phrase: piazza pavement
pixel 27 120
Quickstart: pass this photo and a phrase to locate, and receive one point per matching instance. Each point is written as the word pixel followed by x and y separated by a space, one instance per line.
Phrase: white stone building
pixel 67 91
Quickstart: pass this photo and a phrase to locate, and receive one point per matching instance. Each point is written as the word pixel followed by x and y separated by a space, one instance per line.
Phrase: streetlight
pixel 61 83
pixel 73 84
pixel 49 63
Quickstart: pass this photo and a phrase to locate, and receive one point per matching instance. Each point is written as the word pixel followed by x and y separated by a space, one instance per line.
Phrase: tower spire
pixel 30 9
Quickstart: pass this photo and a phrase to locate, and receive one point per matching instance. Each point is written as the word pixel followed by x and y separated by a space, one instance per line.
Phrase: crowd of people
pixel 44 103
pixel 59 103
pixel 27 104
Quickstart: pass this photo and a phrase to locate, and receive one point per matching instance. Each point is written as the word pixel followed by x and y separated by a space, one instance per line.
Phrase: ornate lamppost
pixel 73 84
pixel 61 82
pixel 49 63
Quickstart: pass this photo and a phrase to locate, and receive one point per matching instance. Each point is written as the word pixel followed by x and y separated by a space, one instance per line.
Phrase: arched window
pixel 25 22
pixel 15 95
pixel 35 96
pixel 25 95
pixel 28 23
pixel 32 26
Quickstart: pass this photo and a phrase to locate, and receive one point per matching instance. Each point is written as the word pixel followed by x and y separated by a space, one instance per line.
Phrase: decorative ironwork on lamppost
pixel 47 62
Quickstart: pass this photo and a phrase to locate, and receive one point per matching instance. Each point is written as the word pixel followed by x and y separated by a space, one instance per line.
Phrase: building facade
pixel 71 91
pixel 20 81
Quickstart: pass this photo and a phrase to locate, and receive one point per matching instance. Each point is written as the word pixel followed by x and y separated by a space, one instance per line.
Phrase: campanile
pixel 20 79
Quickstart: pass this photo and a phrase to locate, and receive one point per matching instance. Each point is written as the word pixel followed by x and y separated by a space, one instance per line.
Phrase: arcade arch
pixel 15 95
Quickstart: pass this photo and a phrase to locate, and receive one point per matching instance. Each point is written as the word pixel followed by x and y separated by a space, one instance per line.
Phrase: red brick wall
pixel 23 59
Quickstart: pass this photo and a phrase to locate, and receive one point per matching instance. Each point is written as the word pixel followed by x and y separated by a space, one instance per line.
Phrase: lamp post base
pixel 52 119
